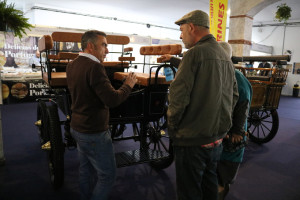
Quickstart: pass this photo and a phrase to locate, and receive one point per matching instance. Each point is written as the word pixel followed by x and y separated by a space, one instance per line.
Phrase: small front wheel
pixel 56 151
pixel 41 121
pixel 262 125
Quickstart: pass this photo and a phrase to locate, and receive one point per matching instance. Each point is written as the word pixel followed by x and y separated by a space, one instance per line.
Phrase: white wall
pixel 139 34
pixel 49 18
pixel 269 35
pixel 273 36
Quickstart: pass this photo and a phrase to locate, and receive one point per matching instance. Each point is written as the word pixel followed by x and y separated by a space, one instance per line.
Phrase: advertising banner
pixel 16 52
pixel 23 91
pixel 218 17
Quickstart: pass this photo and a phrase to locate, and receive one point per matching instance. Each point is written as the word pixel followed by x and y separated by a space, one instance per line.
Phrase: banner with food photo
pixel 23 91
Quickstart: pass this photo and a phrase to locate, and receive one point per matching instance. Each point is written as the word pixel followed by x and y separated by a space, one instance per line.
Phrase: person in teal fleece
pixel 234 142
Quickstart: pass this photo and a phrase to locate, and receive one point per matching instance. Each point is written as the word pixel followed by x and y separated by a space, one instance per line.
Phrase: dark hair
pixel 90 36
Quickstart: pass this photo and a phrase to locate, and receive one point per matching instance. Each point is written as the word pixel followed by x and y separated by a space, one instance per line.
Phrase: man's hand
pixel 235 138
pixel 131 79
pixel 166 57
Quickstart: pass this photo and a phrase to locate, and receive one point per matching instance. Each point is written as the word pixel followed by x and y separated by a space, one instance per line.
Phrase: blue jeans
pixel 97 170
pixel 196 176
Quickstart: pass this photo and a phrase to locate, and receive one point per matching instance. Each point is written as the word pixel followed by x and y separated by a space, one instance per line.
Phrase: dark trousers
pixel 196 176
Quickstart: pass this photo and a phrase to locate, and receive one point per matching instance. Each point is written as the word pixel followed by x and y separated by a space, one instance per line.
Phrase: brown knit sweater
pixel 92 94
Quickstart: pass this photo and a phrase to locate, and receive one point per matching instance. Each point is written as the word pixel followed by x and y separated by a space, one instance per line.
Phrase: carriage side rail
pixel 281 59
pixel 266 89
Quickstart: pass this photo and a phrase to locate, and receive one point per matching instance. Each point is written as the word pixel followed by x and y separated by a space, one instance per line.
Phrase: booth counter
pixel 19 85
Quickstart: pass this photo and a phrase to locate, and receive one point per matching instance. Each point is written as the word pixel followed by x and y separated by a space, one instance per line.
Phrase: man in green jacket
pixel 201 100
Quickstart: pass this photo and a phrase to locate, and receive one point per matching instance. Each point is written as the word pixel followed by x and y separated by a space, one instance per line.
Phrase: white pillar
pixel 240 26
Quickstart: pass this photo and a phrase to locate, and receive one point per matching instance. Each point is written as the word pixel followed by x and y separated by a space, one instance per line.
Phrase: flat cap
pixel 197 17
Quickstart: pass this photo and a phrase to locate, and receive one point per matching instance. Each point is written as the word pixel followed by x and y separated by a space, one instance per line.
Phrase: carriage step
pixel 139 156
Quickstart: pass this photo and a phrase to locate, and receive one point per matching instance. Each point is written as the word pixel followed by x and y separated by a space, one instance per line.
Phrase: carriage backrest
pixel 47 42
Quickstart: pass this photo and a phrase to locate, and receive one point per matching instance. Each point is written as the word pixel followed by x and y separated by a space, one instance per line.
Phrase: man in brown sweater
pixel 92 94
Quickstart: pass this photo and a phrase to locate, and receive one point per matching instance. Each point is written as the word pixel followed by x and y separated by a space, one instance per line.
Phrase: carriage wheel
pixel 158 139
pixel 262 125
pixel 56 152
pixel 41 121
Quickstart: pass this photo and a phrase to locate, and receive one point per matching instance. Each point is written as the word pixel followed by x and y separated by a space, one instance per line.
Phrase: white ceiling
pixel 157 12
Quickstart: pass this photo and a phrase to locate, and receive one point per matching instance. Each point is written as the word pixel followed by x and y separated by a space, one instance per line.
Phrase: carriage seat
pixel 57 59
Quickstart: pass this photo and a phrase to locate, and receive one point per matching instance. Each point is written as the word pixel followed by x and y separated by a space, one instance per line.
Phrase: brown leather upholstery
pixel 116 64
pixel 45 43
pixel 58 79
pixel 117 39
pixel 60 61
pixel 66 37
pixel 143 78
pixel 173 49
pixel 67 55
pixel 128 49
pixel 126 58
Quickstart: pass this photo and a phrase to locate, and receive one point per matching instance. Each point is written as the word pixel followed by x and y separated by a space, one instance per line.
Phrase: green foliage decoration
pixel 283 13
pixel 13 20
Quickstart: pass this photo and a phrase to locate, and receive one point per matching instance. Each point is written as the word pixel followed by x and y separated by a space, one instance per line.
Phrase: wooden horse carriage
pixel 267 83
pixel 144 110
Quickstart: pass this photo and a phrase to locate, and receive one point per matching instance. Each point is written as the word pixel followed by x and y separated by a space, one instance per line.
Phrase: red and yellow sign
pixel 218 17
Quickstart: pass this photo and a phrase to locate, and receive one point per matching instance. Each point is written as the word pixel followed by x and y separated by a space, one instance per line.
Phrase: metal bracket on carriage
pixel 173 49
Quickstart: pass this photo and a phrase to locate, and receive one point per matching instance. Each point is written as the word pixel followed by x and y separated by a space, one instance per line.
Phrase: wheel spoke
pixel 263 132
pixel 164 146
pixel 267 121
pixel 255 126
pixel 265 126
pixel 261 114
pixel 257 130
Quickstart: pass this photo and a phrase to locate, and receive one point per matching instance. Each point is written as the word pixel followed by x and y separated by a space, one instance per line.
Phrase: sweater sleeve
pixel 101 85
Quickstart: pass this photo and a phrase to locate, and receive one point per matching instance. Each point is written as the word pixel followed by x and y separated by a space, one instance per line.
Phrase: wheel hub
pixel 154 134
